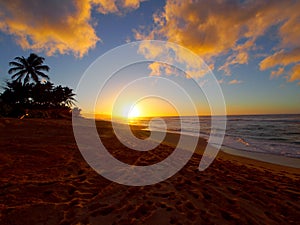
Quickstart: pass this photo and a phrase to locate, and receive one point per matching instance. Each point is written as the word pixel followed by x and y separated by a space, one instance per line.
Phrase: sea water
pixel 272 134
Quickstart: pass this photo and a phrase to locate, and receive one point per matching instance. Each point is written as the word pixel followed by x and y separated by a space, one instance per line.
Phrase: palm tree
pixel 69 99
pixel 63 96
pixel 28 68
pixel 41 94
pixel 16 93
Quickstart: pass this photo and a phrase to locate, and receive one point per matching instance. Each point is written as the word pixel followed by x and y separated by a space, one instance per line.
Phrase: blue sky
pixel 243 51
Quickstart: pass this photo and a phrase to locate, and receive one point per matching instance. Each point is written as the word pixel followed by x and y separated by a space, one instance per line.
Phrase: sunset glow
pixel 134 112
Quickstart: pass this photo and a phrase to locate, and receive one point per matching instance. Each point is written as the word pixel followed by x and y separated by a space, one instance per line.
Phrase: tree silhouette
pixel 34 99
pixel 15 99
pixel 18 99
pixel 42 94
pixel 28 68
pixel 17 93
pixel 63 96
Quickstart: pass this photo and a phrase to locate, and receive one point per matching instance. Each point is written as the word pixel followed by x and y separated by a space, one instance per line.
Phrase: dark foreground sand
pixel 44 180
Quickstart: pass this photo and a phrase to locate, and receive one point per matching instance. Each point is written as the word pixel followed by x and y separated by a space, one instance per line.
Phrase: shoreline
pixel 281 160
pixel 291 162
pixel 266 159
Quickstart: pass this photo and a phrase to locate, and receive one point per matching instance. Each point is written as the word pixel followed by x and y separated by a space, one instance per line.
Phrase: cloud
pixel 222 81
pixel 283 58
pixel 106 6
pixel 57 26
pixel 155 69
pixel 235 82
pixel 116 6
pixel 295 73
pixel 177 56
pixel 230 29
pixel 134 4
pixel 277 73
pixel 240 55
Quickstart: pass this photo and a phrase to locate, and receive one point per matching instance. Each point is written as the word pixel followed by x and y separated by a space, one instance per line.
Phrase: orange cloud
pixel 228 28
pixel 155 69
pixel 235 82
pixel 174 55
pixel 295 74
pixel 134 4
pixel 277 73
pixel 283 59
pixel 57 26
pixel 116 6
pixel 105 6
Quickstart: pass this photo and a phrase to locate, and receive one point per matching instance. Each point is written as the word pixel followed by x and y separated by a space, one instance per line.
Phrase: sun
pixel 134 112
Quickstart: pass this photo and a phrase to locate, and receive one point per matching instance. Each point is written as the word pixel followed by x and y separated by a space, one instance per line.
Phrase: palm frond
pixel 19 79
pixel 16 64
pixel 34 77
pixel 42 75
pixel 35 60
pixel 42 67
pixel 19 74
pixel 14 69
pixel 26 79
pixel 20 59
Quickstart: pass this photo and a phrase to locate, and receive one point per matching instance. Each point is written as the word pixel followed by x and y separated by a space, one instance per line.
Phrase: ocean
pixel 272 134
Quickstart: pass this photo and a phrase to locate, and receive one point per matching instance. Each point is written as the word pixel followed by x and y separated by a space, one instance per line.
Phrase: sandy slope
pixel 44 180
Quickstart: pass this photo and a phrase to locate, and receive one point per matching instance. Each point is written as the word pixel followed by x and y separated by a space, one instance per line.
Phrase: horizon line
pixel 109 116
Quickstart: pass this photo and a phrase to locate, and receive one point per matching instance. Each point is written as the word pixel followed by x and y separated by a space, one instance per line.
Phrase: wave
pixel 273 134
pixel 241 140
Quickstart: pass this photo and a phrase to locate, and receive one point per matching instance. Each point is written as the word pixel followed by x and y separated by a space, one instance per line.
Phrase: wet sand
pixel 45 180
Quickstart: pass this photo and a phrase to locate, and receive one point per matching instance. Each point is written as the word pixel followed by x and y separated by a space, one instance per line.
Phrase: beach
pixel 45 180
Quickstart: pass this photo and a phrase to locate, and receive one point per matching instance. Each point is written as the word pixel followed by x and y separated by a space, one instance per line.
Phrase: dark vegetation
pixel 30 93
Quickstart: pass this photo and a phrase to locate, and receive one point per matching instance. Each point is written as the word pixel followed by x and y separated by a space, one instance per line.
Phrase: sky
pixel 252 47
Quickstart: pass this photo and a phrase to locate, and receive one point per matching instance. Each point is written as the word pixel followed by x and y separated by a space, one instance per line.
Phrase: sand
pixel 45 180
